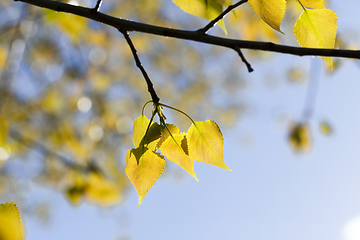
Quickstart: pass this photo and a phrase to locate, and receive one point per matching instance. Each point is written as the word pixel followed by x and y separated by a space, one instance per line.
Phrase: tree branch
pixel 221 16
pixel 151 89
pixel 126 25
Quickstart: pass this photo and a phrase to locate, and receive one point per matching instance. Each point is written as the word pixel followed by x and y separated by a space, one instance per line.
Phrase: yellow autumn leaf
pixel 224 2
pixel 101 191
pixel 177 152
pixel 206 143
pixel 153 135
pixel 317 29
pixel 143 169
pixel 315 4
pixel 270 11
pixel 165 133
pixel 325 128
pixel 4 129
pixel 10 225
pixel 300 138
pixel 208 9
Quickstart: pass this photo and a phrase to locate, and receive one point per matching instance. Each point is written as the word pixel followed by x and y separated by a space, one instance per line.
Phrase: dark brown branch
pixel 151 89
pixel 123 25
pixel 221 16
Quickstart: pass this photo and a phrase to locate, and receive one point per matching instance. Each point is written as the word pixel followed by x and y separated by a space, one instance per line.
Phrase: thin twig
pixel 221 16
pixel 250 69
pixel 97 7
pixel 151 89
pixel 190 35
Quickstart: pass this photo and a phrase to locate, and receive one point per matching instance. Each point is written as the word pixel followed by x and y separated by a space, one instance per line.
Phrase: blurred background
pixel 70 91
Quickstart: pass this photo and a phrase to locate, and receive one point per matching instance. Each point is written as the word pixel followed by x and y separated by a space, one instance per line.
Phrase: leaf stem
pixel 143 109
pixel 175 109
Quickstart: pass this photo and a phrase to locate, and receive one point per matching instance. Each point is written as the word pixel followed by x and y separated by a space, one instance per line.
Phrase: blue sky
pixel 271 193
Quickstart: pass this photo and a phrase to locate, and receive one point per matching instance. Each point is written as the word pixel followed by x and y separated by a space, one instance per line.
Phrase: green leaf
pixel 206 143
pixel 143 169
pixel 315 4
pixel 270 11
pixel 10 225
pixel 176 150
pixel 208 9
pixel 317 29
pixel 152 136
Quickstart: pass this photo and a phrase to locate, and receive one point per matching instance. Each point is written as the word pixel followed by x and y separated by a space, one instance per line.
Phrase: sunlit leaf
pixel 176 149
pixel 143 169
pixel 315 4
pixel 224 2
pixel 4 129
pixel 300 137
pixel 10 225
pixel 208 9
pixel 270 11
pixel 153 135
pixel 165 133
pixel 317 29
pixel 206 143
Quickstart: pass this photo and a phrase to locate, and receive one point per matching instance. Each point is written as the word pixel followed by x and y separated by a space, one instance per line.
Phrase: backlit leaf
pixel 224 2
pixel 315 4
pixel 153 135
pixel 143 169
pixel 317 29
pixel 165 133
pixel 178 152
pixel 270 11
pixel 206 143
pixel 10 225
pixel 208 9
pixel 4 129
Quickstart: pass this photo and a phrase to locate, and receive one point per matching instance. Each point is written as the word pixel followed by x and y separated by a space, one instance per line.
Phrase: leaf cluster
pixel 203 142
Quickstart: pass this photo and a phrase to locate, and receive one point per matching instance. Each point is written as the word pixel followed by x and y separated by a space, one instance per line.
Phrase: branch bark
pixel 127 25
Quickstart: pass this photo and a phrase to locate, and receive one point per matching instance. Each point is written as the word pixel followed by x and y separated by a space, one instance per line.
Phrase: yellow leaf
pixel 165 133
pixel 317 29
pixel 270 11
pixel 315 4
pixel 208 9
pixel 177 152
pixel 224 2
pixel 153 135
pixel 300 138
pixel 143 169
pixel 4 129
pixel 102 192
pixel 206 143
pixel 10 225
